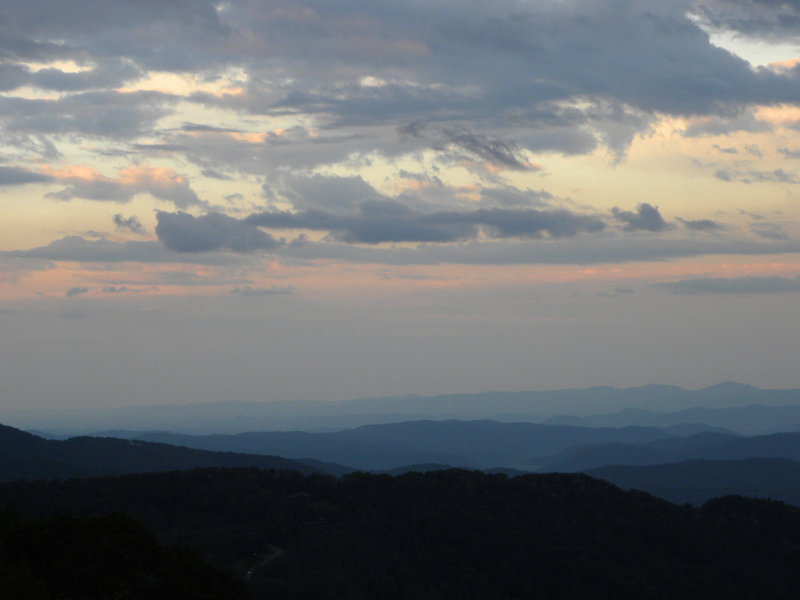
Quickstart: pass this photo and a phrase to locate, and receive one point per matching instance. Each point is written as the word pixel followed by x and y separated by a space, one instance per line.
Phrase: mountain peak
pixel 728 387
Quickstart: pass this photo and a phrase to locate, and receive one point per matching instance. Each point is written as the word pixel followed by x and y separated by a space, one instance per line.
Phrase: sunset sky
pixel 266 200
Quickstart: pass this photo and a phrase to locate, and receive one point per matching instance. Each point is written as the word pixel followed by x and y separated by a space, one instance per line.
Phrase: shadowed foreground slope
pixel 451 534
pixel 111 557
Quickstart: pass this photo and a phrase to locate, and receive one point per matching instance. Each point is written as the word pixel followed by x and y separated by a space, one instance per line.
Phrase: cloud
pixel 131 223
pixel 37 148
pixel 724 175
pixel 494 151
pixel 725 150
pixel 507 196
pixel 701 225
pixel 13 76
pixel 735 285
pixel 13 268
pixel 109 75
pixel 161 182
pixel 19 176
pixel 646 218
pixel 583 250
pixel 382 221
pixel 790 152
pixel 724 125
pixel 112 289
pixel 773 20
pixel 77 249
pixel 757 176
pixel 336 194
pixel 753 150
pixel 770 231
pixel 183 232
pixel 39 30
pixel 492 83
pixel 108 113
pixel 76 291
pixel 257 292
pixel 774 176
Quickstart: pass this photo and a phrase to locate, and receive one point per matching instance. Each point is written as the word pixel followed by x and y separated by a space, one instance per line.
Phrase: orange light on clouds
pixel 778 115
pixel 139 175
pixel 73 172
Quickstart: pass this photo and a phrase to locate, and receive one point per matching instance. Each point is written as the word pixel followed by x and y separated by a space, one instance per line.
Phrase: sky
pixel 255 200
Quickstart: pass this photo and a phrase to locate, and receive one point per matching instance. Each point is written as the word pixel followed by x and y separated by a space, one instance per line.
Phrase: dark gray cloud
pixel 646 218
pixel 507 196
pixel 735 285
pixel 383 221
pixel 106 76
pixel 779 175
pixel 20 176
pixel 770 231
pixel 221 151
pixel 131 223
pixel 701 224
pixel 790 152
pixel 158 148
pixel 494 151
pixel 13 76
pixel 441 63
pixel 583 250
pixel 35 147
pixel 183 232
pixel 113 289
pixel 13 268
pixel 98 113
pixel 775 20
pixel 724 175
pixel 753 150
pixel 41 30
pixel 774 176
pixel 336 194
pixel 724 125
pixel 77 249
pixel 725 150
pixel 76 291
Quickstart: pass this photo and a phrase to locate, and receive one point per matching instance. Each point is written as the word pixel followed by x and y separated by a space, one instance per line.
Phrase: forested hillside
pixel 449 534
pixel 104 558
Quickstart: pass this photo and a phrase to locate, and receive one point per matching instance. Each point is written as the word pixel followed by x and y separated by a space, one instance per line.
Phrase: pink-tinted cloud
pixel 88 183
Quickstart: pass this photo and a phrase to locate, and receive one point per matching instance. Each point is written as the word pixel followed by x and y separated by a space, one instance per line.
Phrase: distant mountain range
pixel 692 468
pixel 750 419
pixel 697 481
pixel 707 446
pixel 472 444
pixel 26 456
pixel 490 445
pixel 724 405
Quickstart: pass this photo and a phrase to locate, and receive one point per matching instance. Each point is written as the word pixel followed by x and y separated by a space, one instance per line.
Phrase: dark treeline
pixel 101 558
pixel 448 534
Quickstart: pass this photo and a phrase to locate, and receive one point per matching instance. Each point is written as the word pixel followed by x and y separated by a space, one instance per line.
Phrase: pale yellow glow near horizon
pixel 229 83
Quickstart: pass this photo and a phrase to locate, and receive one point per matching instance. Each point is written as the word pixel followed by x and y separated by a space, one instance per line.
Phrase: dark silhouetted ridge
pixel 450 534
pixel 26 456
